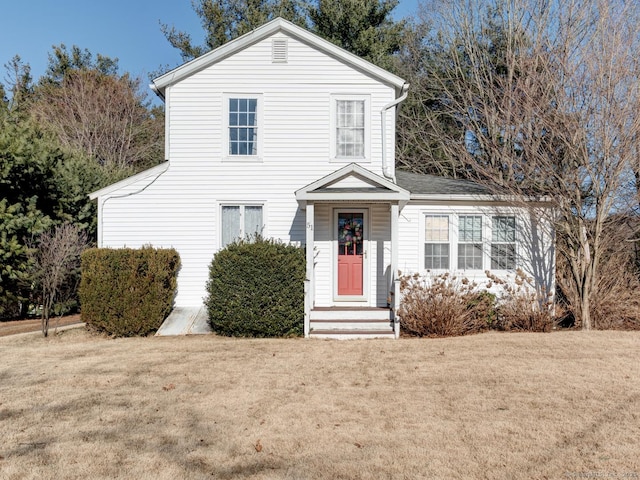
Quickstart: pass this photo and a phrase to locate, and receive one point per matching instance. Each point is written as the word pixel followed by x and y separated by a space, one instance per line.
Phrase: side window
pixel 503 243
pixel 470 242
pixel 436 242
pixel 243 126
pixel 240 221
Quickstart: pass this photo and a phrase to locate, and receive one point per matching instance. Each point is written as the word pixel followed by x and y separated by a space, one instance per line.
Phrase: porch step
pixel 351 334
pixel 350 322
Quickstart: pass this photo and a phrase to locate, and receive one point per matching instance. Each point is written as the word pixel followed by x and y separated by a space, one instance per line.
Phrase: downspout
pixel 387 170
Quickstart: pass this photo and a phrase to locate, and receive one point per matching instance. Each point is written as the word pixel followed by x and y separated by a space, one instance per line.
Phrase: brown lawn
pixel 12 327
pixel 504 406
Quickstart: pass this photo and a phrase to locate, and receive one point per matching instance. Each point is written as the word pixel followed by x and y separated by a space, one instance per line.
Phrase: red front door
pixel 350 253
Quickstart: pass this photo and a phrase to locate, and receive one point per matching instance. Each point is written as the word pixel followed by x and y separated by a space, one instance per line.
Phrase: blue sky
pixel 126 29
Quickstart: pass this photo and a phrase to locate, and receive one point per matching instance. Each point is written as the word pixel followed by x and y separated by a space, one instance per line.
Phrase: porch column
pixel 310 283
pixel 395 213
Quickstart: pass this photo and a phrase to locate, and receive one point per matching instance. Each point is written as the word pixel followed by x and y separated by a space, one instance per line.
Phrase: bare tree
pixel 102 115
pixel 545 99
pixel 56 263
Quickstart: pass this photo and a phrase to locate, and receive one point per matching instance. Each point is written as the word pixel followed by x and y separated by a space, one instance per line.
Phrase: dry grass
pixel 512 406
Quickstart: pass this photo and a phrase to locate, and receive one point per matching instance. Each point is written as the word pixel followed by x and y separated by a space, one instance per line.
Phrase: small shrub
pixel 256 289
pixel 443 305
pixel 521 306
pixel 128 292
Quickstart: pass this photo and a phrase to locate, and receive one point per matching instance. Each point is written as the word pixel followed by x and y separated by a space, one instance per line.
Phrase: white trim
pixel 395 193
pixel 333 125
pixel 226 156
pixel 158 169
pixel 365 298
pixel 266 30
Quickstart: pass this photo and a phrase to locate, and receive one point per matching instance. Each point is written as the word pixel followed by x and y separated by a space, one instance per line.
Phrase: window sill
pixel 350 160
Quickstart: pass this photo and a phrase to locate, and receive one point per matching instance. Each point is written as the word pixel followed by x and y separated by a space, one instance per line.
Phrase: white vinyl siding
pixel 534 246
pixel 182 208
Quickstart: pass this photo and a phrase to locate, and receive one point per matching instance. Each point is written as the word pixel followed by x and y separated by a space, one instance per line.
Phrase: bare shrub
pixel 443 305
pixel 56 265
pixel 521 306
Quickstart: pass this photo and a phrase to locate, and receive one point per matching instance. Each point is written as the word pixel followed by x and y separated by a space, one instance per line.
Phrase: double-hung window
pixel 436 245
pixel 243 126
pixel 240 221
pixel 470 242
pixel 242 116
pixel 503 243
pixel 350 127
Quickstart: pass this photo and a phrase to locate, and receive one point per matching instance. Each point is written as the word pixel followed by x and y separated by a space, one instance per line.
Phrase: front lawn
pixel 512 406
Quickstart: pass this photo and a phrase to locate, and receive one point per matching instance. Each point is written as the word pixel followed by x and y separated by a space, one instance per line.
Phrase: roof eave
pixel 129 180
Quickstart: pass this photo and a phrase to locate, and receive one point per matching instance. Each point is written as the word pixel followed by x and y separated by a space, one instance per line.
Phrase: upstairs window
pixel 240 221
pixel 243 126
pixel 350 129
pixel 503 243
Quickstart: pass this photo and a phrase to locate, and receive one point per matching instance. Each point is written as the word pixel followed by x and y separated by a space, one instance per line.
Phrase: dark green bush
pixel 127 292
pixel 256 289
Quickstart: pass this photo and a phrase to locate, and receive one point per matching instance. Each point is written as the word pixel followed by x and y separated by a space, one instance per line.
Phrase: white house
pixel 283 133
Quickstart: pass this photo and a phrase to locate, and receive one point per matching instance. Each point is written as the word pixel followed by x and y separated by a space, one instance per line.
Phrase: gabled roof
pixel 352 183
pixel 278 25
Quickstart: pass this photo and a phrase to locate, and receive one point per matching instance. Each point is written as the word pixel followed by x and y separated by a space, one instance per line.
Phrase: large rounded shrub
pixel 256 289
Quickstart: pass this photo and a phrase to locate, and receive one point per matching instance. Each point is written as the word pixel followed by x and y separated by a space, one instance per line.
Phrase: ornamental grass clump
pixel 443 305
pixel 256 289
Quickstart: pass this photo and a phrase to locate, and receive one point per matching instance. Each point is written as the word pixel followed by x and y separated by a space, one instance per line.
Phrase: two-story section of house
pixel 282 133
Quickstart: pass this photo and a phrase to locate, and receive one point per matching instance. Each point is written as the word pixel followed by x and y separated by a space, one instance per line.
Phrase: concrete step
pixel 350 313
pixel 352 334
pixel 351 324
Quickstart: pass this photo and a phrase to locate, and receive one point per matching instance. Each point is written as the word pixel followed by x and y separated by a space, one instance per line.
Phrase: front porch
pixel 351 219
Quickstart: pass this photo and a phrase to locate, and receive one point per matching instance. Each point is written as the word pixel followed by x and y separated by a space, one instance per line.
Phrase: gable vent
pixel 279 50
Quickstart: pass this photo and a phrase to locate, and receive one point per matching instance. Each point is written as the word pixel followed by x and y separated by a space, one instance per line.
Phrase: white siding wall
pixel 181 208
pixel 535 248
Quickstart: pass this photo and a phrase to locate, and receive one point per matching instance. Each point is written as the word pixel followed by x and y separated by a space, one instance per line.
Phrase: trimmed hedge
pixel 128 292
pixel 256 289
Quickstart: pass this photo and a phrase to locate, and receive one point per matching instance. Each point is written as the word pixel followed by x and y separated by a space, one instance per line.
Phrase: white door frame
pixel 352 300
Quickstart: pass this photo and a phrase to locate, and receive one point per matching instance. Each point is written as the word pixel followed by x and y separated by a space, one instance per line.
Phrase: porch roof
pixel 352 183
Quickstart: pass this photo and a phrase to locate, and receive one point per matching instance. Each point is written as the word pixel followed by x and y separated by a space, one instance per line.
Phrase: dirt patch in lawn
pixel 11 327
pixel 495 406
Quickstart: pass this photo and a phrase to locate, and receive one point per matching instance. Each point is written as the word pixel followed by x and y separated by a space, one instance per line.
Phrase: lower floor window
pixel 503 243
pixel 469 242
pixel 240 221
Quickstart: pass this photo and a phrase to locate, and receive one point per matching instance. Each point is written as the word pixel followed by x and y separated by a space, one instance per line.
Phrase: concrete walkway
pixel 185 321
